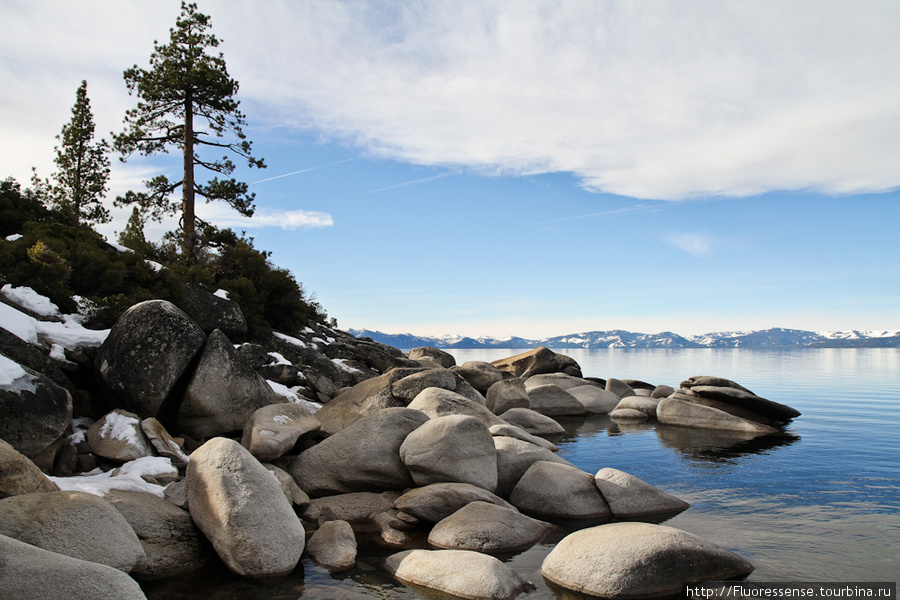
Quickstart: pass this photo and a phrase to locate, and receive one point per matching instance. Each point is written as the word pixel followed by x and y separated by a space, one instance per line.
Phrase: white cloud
pixel 658 99
pixel 290 220
pixel 693 243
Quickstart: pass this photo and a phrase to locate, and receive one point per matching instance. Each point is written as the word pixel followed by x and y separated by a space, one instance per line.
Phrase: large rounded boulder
pixel 146 353
pixel 638 560
pixel 239 506
pixel 455 448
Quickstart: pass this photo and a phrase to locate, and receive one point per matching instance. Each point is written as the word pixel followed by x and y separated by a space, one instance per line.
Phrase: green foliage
pixel 18 207
pixel 79 184
pixel 185 82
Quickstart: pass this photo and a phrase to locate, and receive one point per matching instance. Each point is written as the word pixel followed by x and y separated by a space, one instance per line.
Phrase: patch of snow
pixel 290 340
pixel 30 299
pixel 80 425
pixel 14 237
pixel 292 395
pixel 57 352
pixel 342 363
pixel 14 378
pixel 282 419
pixel 279 359
pixel 221 294
pixel 319 340
pixel 127 477
pixel 69 334
pixel 308 330
pixel 154 265
pixel 121 427
pixel 119 247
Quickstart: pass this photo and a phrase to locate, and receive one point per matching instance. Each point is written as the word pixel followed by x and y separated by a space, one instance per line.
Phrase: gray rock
pixel 507 394
pixel 442 358
pixel 562 380
pixel 18 475
pixel 27 571
pixel 211 311
pixel 172 543
pixel 437 501
pixel 533 422
pixel 732 394
pixel 362 457
pixel 239 506
pixel 537 361
pixel 356 508
pixel 291 490
pixel 676 411
pixel 480 375
pixel 176 493
pixel 619 388
pixel 520 434
pixel 410 387
pixel 223 391
pixel 630 498
pixel 437 402
pixel 485 527
pixel 662 391
pixel 146 353
pixel 559 491
pixel 34 411
pixel 163 443
pixel 514 457
pixel 628 414
pixel 273 430
pixel 644 404
pixel 637 560
pixel 118 436
pixel 596 400
pixel 254 355
pixel 76 524
pixel 455 448
pixel 333 546
pixel 460 573
pixel 553 401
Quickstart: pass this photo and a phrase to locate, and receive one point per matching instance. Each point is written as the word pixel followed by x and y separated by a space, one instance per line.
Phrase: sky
pixel 531 168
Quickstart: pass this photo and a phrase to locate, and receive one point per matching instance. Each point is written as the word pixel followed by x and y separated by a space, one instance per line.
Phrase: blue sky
pixel 529 168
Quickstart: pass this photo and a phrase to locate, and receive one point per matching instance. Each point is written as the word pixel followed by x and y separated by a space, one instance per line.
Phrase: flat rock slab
pixel 461 573
pixel 437 501
pixel 676 411
pixel 630 498
pixel 485 527
pixel 533 422
pixel 638 560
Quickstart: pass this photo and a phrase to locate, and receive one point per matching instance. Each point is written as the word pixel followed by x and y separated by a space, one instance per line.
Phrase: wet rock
pixel 273 430
pixel 485 527
pixel 532 422
pixel 146 353
pixel 27 571
pixel 118 436
pixel 18 475
pixel 637 560
pixel 333 546
pixel 76 524
pixel 437 501
pixel 442 358
pixel 558 491
pixel 172 543
pixel 630 498
pixel 553 401
pixel 241 509
pixel 506 394
pixel 455 448
pixel 460 573
pixel 628 414
pixel 362 457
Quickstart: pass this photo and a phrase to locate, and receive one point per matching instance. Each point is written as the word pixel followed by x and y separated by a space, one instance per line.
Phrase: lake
pixel 820 503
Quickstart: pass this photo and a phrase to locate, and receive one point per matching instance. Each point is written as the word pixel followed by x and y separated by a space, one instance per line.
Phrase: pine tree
pixel 185 82
pixel 79 184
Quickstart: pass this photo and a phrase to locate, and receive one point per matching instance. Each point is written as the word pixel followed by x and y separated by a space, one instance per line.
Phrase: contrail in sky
pixel 406 183
pixel 305 170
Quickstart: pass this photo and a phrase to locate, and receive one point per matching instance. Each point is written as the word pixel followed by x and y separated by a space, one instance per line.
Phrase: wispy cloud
pixel 289 220
pixel 693 243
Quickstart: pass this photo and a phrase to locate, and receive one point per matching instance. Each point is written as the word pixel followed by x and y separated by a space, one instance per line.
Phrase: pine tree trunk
pixel 187 204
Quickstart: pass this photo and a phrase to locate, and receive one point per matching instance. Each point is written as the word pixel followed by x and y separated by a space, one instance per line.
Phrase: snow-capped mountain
pixel 767 338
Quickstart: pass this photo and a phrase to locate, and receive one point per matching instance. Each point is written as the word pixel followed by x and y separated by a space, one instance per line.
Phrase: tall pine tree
pixel 185 82
pixel 78 187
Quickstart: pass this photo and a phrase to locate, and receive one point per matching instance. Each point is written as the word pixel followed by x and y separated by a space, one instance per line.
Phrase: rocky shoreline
pixel 180 439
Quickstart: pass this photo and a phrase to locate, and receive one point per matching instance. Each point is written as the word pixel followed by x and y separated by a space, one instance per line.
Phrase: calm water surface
pixel 820 503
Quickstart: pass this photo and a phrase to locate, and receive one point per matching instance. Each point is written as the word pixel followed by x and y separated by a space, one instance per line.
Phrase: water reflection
pixel 708 445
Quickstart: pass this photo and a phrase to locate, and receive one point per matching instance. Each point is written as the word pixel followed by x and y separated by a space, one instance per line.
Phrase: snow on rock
pixel 290 340
pixel 68 334
pixel 292 396
pixel 221 294
pixel 279 359
pixel 342 363
pixel 28 298
pixel 14 237
pixel 14 378
pixel 120 427
pixel 126 477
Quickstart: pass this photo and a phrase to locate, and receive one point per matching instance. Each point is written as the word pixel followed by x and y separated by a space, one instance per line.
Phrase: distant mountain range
pixel 767 338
